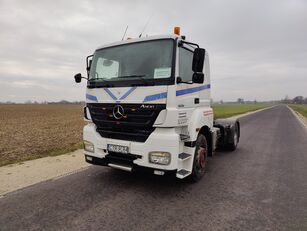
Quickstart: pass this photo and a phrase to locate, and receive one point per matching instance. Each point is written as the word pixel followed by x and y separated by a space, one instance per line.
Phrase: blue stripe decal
pixel 155 97
pixel 178 93
pixel 91 97
pixel 122 97
pixel 127 93
pixel 192 90
pixel 110 93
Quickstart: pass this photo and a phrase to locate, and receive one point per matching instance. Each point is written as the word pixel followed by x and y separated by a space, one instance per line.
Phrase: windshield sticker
pixel 162 73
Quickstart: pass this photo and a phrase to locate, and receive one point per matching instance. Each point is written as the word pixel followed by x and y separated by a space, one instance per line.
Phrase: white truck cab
pixel 148 107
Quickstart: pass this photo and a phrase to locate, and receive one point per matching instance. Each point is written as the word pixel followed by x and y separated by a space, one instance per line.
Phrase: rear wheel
pixel 200 158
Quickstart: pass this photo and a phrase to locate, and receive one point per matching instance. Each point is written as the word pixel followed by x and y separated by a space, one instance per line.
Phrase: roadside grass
pixel 228 110
pixel 302 109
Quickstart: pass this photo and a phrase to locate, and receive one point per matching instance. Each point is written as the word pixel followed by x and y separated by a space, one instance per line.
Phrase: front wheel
pixel 200 158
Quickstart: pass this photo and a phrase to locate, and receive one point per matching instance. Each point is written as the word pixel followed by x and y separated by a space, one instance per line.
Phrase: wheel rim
pixel 235 137
pixel 201 159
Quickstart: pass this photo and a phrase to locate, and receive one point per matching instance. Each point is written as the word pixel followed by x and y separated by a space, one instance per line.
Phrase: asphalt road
pixel 260 186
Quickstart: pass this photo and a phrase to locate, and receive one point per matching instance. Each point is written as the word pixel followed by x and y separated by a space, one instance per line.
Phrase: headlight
pixel 88 146
pixel 163 158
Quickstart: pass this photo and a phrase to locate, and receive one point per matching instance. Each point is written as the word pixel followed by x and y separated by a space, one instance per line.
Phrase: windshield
pixel 143 63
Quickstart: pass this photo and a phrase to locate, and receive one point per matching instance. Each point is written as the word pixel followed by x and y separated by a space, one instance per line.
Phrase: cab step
pixel 184 137
pixel 182 173
pixel 184 156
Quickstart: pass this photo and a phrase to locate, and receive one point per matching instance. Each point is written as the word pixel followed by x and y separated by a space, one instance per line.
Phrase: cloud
pixel 257 48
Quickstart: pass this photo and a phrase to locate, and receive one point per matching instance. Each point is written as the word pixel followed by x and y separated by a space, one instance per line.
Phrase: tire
pixel 200 158
pixel 233 146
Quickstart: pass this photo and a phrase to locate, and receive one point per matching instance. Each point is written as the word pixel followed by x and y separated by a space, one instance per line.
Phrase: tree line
pixel 296 100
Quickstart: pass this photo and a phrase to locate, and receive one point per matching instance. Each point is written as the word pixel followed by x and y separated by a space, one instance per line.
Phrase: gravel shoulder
pixel 17 176
pixel 300 117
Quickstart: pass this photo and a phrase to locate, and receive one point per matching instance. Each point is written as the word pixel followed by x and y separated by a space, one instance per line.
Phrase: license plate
pixel 118 148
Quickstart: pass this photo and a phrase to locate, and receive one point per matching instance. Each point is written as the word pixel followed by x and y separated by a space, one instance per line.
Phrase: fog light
pixel 88 146
pixel 158 172
pixel 89 158
pixel 163 158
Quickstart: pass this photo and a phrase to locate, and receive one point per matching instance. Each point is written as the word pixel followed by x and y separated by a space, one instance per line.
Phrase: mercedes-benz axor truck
pixel 148 107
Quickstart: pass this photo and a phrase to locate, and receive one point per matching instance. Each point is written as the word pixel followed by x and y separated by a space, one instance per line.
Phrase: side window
pixel 185 64
pixel 106 68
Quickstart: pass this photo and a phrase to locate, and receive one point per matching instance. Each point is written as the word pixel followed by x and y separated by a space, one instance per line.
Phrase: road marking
pixel 70 173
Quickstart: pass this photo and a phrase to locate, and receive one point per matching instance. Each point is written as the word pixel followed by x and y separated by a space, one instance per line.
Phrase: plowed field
pixel 32 131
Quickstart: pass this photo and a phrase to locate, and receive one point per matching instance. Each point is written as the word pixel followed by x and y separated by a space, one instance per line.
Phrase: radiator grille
pixel 136 124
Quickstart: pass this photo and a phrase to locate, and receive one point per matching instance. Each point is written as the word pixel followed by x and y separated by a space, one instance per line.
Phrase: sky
pixel 257 48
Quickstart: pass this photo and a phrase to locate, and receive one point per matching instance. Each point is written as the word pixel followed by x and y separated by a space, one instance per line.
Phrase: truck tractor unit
pixel 148 107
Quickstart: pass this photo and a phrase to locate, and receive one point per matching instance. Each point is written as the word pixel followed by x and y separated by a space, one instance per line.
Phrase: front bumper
pixel 162 139
pixel 134 167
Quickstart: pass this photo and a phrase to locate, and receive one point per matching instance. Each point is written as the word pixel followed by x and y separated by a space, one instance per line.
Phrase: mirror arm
pixel 193 44
pixel 186 82
pixel 179 80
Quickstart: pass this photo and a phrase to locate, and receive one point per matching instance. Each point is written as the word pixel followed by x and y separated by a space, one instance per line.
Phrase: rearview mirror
pixel 88 64
pixel 198 60
pixel 88 68
pixel 198 77
pixel 78 78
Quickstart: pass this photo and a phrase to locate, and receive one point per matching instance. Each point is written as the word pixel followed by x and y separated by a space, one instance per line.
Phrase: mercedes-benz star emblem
pixel 118 112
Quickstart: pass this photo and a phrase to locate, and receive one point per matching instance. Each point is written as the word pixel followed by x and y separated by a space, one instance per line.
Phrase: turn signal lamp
pixel 177 30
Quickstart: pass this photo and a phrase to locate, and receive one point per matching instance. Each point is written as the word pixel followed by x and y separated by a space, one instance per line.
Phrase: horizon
pixel 63 101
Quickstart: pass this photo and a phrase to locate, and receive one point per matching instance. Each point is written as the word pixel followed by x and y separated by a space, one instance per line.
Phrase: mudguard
pixel 227 131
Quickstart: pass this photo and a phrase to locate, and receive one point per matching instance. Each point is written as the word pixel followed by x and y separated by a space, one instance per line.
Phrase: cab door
pixel 187 92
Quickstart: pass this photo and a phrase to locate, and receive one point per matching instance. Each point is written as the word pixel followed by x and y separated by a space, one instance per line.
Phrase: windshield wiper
pixel 107 84
pixel 128 76
pixel 145 81
pixel 99 79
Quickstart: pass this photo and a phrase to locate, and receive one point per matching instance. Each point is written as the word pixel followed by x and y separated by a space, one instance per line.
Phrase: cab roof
pixel 135 40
